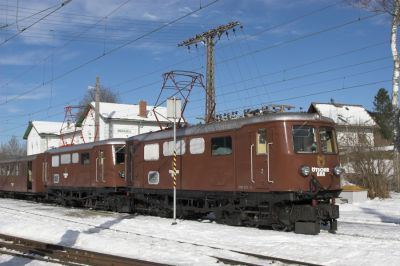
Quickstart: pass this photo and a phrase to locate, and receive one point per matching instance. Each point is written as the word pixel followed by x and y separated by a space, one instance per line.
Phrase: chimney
pixel 142 109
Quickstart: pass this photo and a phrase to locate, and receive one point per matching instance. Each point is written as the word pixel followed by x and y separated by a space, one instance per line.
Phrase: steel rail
pixel 65 255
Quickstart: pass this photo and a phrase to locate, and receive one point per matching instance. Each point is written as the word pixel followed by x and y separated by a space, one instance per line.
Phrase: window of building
pixel 56 178
pixel 221 145
pixel 119 154
pixel 328 140
pixel 85 158
pixel 65 158
pixel 55 161
pixel 196 146
pixel 168 148
pixel 75 157
pixel 151 152
pixel 153 177
pixel 304 139
pixel 261 147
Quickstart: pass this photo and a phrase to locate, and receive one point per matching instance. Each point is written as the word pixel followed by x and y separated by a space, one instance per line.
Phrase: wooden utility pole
pixel 97 111
pixel 208 38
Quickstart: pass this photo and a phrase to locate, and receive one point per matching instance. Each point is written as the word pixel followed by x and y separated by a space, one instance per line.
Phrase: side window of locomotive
pixel 328 140
pixel 55 161
pixel 168 147
pixel 75 157
pixel 85 158
pixel 65 158
pixel 151 152
pixel 197 146
pixel 304 139
pixel 56 178
pixel 221 146
pixel 261 146
pixel 119 154
pixel 153 177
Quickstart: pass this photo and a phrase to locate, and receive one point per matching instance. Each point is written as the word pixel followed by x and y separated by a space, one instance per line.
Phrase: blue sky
pixel 288 52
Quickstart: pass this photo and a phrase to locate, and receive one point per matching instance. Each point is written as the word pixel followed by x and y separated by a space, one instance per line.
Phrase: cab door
pixel 261 157
pixel 100 166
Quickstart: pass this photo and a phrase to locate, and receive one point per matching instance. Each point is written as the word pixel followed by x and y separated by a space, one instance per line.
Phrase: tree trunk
pixel 395 90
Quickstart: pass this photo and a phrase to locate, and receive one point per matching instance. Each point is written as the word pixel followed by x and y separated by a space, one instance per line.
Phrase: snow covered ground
pixel 369 234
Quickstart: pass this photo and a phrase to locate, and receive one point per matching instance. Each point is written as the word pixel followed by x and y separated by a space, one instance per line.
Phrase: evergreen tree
pixel 384 113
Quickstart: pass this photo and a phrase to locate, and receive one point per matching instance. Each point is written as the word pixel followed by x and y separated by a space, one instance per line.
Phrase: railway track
pixel 36 250
pixel 260 259
pixel 266 259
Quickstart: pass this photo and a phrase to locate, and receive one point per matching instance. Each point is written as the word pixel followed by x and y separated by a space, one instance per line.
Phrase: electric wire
pixel 109 52
pixel 34 23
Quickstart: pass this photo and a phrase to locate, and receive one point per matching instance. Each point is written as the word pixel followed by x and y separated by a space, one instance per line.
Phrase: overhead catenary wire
pixel 97 23
pixel 66 44
pixel 109 52
pixel 34 23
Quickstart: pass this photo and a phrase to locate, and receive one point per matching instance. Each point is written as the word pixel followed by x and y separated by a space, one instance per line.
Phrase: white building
pixel 44 135
pixel 352 121
pixel 116 121
pixel 121 120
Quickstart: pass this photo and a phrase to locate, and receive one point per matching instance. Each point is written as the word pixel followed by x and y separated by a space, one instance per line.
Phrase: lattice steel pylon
pixel 69 125
pixel 181 83
pixel 208 38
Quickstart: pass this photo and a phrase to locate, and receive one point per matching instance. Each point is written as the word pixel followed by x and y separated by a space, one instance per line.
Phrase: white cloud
pixel 20 59
pixel 149 16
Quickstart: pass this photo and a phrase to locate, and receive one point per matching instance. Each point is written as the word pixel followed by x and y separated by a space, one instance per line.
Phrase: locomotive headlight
pixel 337 170
pixel 305 170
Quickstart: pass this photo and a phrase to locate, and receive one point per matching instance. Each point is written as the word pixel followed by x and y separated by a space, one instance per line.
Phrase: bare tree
pixel 367 165
pixel 391 7
pixel 106 95
pixel 12 149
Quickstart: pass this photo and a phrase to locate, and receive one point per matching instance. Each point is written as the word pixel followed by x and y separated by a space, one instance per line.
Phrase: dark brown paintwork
pixel 97 174
pixel 29 178
pixel 233 172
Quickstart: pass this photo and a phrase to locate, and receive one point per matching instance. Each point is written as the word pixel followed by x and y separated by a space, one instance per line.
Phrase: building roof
pixel 47 128
pixel 119 111
pixel 44 128
pixel 344 114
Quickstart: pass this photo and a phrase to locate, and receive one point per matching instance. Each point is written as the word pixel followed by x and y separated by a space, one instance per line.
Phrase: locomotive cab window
pixel 261 146
pixel 327 139
pixel 221 146
pixel 304 139
pixel 85 158
pixel 119 154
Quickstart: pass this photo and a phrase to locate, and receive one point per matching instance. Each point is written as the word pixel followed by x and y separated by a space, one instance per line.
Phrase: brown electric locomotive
pixel 279 169
pixel 90 175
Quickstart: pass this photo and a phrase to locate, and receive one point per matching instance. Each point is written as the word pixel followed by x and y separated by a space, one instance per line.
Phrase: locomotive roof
pixel 86 146
pixel 231 124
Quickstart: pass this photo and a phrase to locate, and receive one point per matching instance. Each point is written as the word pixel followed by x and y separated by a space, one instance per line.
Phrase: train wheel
pixel 233 218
